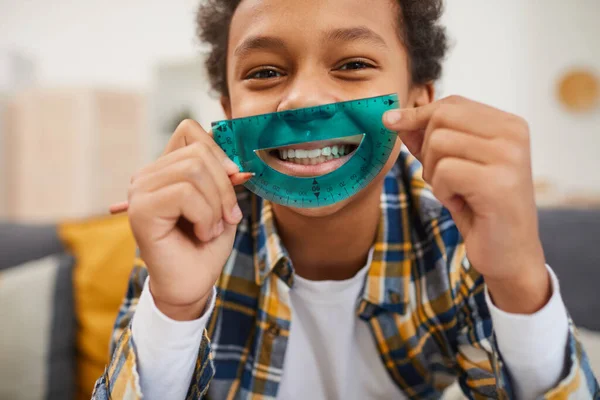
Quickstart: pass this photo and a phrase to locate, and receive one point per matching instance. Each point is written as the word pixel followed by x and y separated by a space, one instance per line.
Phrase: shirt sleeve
pixel 166 349
pixel 485 371
pixel 121 379
pixel 533 346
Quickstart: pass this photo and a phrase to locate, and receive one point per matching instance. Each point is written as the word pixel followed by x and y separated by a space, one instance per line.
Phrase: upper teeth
pixel 335 151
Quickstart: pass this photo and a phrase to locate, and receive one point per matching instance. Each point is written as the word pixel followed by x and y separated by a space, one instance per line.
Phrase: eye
pixel 355 65
pixel 265 73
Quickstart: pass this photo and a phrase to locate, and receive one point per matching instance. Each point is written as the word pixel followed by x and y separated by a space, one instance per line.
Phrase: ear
pixel 421 95
pixel 226 106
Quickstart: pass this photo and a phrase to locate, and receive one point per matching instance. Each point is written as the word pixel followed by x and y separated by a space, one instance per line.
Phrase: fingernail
pixel 219 228
pixel 230 166
pixel 236 213
pixel 393 116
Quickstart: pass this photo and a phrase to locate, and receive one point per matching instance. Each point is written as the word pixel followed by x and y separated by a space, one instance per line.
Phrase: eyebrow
pixel 358 33
pixel 259 43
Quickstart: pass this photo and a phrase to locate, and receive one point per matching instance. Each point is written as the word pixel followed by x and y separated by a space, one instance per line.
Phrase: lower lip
pixel 306 171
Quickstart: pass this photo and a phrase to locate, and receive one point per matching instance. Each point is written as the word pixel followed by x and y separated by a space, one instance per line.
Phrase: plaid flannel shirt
pixel 424 304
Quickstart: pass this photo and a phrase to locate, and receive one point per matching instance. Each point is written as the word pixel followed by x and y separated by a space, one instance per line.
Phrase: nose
pixel 308 92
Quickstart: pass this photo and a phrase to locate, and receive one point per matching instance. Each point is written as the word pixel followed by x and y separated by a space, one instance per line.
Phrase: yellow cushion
pixel 104 249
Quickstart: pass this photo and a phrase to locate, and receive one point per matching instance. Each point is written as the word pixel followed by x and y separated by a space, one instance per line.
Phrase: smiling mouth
pixel 315 156
pixel 311 158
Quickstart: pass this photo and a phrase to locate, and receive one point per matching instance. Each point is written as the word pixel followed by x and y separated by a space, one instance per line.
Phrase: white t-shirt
pixel 327 335
pixel 331 353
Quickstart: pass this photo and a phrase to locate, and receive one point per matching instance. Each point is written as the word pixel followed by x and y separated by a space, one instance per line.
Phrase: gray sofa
pixel 571 241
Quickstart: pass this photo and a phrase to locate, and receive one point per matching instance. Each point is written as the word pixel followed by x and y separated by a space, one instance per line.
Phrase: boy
pixel 372 297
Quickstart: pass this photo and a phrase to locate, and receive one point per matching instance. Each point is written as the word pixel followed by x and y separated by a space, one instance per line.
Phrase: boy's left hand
pixel 478 163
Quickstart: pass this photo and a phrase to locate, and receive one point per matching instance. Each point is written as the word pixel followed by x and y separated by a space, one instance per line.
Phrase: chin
pixel 323 212
pixel 370 194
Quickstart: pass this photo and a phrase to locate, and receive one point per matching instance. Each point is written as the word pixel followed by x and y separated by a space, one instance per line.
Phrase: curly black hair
pixel 420 30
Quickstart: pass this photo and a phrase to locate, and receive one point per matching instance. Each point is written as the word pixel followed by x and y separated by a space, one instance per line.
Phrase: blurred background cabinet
pixel 3 161
pixel 17 72
pixel 70 152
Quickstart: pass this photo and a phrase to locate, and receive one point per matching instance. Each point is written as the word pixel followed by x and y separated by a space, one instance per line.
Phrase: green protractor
pixel 242 138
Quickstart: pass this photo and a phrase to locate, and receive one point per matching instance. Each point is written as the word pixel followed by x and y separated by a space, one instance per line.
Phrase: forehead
pixel 309 18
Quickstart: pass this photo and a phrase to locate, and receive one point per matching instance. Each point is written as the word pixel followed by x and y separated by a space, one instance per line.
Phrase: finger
pixel 411 125
pixel 230 167
pixel 225 191
pixel 241 178
pixel 452 112
pixel 219 190
pixel 410 119
pixel 442 143
pixel 183 153
pixel 187 132
pixel 196 169
pixel 118 208
pixel 457 177
pixel 172 202
pixel 236 180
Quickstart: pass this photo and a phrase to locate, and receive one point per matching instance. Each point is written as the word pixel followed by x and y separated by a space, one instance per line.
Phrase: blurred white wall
pixel 510 54
pixel 563 34
pixel 181 87
pixel 507 53
pixel 99 42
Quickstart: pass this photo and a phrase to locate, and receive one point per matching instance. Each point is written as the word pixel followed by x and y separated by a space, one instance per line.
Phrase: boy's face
pixel 292 54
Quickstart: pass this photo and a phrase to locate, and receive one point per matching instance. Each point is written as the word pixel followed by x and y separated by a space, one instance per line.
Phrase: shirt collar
pixel 269 253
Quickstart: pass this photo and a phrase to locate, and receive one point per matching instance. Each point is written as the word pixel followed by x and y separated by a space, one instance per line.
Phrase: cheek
pixel 396 78
pixel 247 105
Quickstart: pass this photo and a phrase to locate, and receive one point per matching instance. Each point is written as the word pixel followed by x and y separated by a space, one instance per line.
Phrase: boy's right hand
pixel 183 212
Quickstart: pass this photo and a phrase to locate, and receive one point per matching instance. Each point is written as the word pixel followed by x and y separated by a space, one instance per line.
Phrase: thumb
pixel 411 125
pixel 412 137
pixel 409 119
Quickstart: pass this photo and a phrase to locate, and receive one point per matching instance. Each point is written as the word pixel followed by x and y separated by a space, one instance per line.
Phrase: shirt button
pixel 273 330
pixel 394 297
